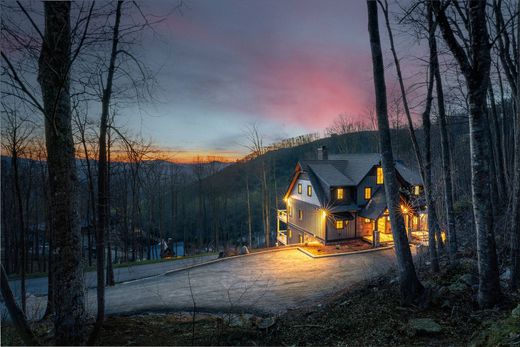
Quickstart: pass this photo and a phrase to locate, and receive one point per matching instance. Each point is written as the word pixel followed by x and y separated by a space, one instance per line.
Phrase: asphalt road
pixel 266 283
pixel 38 286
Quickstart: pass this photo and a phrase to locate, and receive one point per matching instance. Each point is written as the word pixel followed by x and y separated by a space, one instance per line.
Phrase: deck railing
pixel 282 237
pixel 282 215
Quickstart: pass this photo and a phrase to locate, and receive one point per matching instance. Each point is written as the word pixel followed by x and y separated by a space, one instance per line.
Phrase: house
pixel 341 197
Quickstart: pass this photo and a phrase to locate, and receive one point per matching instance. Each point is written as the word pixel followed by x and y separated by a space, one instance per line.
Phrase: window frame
pixel 369 190
pixel 309 190
pixel 300 188
pixel 380 178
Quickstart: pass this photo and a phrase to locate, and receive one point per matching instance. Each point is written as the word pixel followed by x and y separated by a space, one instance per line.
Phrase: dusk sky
pixel 290 66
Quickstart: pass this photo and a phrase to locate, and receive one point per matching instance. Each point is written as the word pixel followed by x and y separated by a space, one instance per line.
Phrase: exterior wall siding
pixel 312 221
pixel 347 232
pixel 368 181
pixel 303 196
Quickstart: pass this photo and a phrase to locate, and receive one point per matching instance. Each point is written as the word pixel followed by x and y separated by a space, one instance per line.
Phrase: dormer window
pixel 379 175
pixel 340 193
pixel 416 190
pixel 368 193
pixel 309 190
pixel 299 188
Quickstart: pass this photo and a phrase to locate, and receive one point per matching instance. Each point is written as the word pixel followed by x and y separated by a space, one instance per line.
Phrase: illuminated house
pixel 341 197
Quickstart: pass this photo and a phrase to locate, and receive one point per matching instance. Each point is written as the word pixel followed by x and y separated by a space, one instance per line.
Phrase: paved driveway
pixel 39 286
pixel 265 283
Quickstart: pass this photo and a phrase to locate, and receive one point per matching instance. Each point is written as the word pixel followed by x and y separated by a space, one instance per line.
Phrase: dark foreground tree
pixel 475 65
pixel 54 80
pixel 515 218
pixel 15 312
pixel 411 288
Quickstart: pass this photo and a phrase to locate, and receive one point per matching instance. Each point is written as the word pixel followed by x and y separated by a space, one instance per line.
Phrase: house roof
pixel 410 176
pixel 376 206
pixel 346 170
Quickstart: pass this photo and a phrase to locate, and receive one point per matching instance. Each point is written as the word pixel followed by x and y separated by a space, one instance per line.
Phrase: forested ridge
pixel 81 190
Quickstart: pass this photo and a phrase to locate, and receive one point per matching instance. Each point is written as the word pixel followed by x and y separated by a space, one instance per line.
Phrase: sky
pixel 289 66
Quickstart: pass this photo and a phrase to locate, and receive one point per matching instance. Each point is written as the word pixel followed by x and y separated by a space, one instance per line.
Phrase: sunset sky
pixel 290 66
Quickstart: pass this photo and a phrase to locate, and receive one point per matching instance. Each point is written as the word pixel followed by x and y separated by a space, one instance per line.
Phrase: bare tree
pixel 256 147
pixel 445 145
pixel 15 139
pixel 515 215
pixel 424 163
pixel 54 78
pixel 474 62
pixel 411 288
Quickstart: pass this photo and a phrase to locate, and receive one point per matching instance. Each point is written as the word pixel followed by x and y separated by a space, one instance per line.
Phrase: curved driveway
pixel 264 283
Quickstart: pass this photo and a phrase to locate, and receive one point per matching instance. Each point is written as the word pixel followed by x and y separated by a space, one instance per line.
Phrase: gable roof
pixel 410 176
pixel 376 206
pixel 345 170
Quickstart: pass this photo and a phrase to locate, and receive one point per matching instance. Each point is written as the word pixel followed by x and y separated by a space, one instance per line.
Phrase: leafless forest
pixel 82 191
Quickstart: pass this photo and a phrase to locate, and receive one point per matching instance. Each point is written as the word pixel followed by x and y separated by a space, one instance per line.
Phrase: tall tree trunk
pixel 54 79
pixel 445 150
pixel 23 231
pixel 249 224
pixel 501 173
pixel 102 224
pixel 110 270
pixel 515 215
pixel 411 288
pixel 475 68
pixel 423 163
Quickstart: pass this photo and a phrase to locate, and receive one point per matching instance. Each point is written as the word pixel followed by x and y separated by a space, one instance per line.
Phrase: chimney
pixel 322 153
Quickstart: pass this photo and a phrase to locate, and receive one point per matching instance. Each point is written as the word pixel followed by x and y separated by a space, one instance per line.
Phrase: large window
pixel 340 193
pixel 300 214
pixel 379 175
pixel 339 224
pixel 309 190
pixel 368 193
pixel 299 188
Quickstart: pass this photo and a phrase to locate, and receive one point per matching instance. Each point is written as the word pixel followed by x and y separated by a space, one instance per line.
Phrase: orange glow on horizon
pixel 178 157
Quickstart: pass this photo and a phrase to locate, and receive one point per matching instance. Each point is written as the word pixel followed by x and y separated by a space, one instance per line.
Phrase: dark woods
pixel 85 193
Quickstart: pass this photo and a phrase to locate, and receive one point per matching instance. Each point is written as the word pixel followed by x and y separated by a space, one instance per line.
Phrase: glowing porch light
pixel 323 213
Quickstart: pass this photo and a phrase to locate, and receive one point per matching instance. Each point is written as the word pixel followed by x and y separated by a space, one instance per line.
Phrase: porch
pixel 281 227
pixel 415 224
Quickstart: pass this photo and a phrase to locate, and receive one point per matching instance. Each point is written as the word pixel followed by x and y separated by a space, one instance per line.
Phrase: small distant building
pixel 340 197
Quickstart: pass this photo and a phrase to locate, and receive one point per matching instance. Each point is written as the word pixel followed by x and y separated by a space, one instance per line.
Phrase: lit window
pixel 289 210
pixel 299 188
pixel 368 193
pixel 417 190
pixel 309 190
pixel 300 214
pixel 290 233
pixel 379 175
pixel 367 220
pixel 339 224
pixel 340 193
